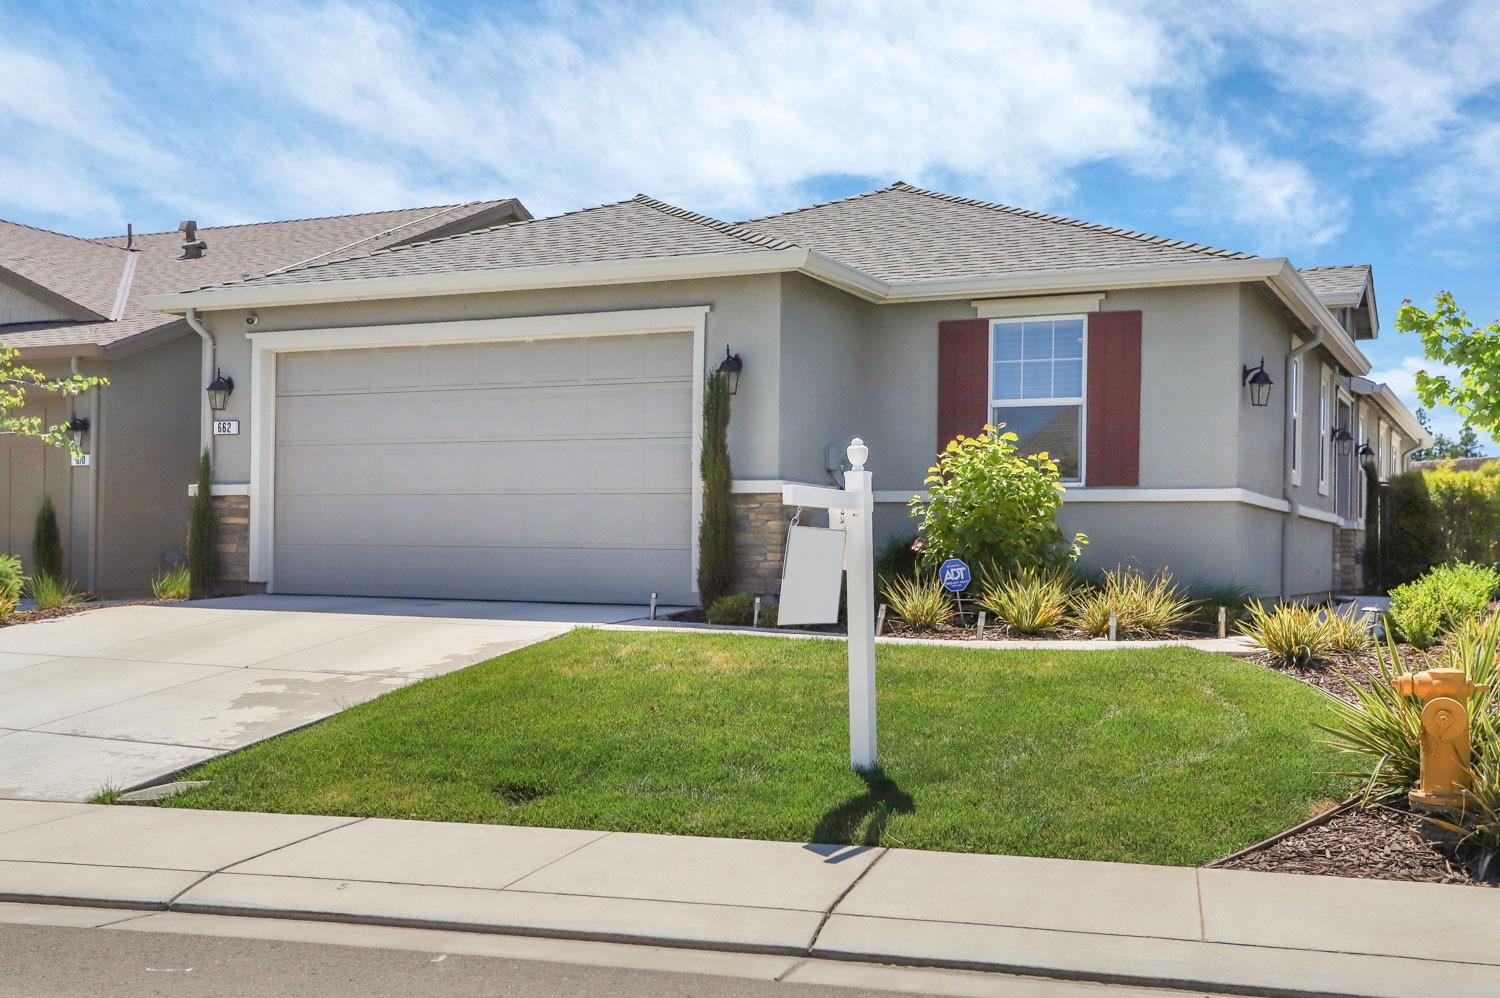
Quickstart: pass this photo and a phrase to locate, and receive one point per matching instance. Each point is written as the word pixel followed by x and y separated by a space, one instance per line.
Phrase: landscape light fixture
pixel 219 391
pixel 1259 381
pixel 731 366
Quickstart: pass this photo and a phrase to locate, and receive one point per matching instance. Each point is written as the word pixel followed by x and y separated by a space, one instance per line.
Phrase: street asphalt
pixel 44 961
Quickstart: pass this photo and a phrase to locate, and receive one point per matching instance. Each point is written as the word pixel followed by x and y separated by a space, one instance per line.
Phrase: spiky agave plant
pixel 921 601
pixel 1382 726
pixel 1030 601
pixel 1293 634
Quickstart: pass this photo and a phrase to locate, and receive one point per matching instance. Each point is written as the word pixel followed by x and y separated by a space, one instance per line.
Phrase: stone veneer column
pixel 1348 555
pixel 760 522
pixel 234 544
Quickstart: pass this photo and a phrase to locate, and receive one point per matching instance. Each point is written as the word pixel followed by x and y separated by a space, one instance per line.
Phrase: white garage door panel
pixel 558 470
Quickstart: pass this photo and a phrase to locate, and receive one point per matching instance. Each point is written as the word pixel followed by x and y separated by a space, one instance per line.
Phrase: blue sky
pixel 1327 132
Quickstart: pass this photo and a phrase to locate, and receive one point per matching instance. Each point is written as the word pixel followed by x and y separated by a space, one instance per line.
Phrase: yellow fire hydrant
pixel 1446 754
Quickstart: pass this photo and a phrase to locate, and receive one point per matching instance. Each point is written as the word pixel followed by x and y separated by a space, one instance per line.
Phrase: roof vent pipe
pixel 192 246
pixel 129 237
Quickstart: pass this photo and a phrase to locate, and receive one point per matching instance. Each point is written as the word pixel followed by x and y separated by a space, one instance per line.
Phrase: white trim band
pixel 223 489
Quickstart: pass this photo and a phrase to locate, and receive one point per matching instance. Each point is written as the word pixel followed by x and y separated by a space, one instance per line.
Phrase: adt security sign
pixel 955 575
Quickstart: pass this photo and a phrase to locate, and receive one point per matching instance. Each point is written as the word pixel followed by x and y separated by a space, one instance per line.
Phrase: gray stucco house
pixel 513 412
pixel 77 304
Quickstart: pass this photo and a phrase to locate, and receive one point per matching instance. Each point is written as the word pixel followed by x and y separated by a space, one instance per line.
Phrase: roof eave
pixel 642 270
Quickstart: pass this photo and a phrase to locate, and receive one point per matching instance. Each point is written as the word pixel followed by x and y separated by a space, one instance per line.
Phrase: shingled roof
pixel 90 271
pixel 907 233
pixel 639 228
pixel 1338 284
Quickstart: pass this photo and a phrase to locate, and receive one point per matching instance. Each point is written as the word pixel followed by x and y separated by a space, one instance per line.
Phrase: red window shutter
pixel 1113 441
pixel 963 390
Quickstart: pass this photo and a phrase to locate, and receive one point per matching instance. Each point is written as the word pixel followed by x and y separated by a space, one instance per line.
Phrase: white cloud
pixel 1403 380
pixel 1274 197
pixel 1461 190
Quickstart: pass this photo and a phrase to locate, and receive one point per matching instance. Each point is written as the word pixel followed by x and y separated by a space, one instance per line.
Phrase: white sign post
pixel 852 509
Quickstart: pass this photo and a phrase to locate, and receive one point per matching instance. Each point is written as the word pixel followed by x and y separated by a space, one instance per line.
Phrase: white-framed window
pixel 1325 435
pixel 1359 442
pixel 1395 454
pixel 1295 393
pixel 1038 374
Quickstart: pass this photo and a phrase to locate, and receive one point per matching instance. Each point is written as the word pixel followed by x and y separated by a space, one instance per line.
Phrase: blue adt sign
pixel 955 575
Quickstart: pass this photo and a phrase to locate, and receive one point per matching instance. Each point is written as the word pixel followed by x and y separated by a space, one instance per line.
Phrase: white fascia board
pixel 1103 279
pixel 1290 287
pixel 677 268
pixel 1405 420
pixel 830 271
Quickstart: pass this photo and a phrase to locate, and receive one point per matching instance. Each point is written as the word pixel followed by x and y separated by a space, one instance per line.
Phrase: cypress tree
pixel 203 534
pixel 716 567
pixel 46 543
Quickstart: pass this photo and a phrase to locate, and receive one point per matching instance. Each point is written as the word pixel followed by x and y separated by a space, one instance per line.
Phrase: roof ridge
pixel 1339 266
pixel 299 268
pixel 309 218
pixel 1066 220
pixel 719 225
pixel 896 185
pixel 62 235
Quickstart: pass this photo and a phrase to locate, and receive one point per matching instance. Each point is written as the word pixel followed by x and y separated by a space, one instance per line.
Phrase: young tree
pixel 17 381
pixel 203 534
pixel 1448 337
pixel 716 568
pixel 1443 446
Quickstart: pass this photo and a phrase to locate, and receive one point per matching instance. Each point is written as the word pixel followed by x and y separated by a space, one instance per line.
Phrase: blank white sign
pixel 811 577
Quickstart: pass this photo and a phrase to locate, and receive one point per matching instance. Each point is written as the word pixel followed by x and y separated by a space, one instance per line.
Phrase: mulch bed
pixel 957 632
pixel 1375 843
pixel 35 616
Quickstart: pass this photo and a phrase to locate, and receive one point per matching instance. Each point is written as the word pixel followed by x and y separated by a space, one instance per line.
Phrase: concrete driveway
pixel 122 696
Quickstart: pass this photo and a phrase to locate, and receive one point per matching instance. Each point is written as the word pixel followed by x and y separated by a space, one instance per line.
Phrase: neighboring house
pixel 514 413
pixel 1454 463
pixel 76 304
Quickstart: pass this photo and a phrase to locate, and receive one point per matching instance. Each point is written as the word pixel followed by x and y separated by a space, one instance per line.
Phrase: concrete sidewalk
pixel 1213 930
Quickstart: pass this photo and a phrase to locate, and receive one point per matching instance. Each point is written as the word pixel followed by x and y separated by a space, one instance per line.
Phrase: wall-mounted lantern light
pixel 731 366
pixel 1259 383
pixel 1366 455
pixel 1345 441
pixel 219 391
pixel 79 427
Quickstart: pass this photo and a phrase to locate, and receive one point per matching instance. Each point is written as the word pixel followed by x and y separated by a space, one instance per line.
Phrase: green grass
pixel 1161 756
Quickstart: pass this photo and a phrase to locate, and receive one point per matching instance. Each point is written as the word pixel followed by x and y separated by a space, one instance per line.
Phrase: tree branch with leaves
pixel 18 382
pixel 1449 338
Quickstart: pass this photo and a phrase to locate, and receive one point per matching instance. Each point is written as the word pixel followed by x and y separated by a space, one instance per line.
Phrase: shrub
pixel 50 592
pixel 716 567
pixel 1466 507
pixel 11 582
pixel 1382 726
pixel 1414 543
pixel 988 503
pixel 1348 630
pixel 919 600
pixel 172 583
pixel 46 542
pixel 1031 601
pixel 1293 634
pixel 1437 602
pixel 896 558
pixel 738 609
pixel 1144 606
pixel 203 534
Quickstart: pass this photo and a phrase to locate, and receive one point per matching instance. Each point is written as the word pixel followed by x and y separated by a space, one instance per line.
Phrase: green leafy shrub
pixel 11 583
pixel 738 610
pixel 46 542
pixel 1466 506
pixel 1144 606
pixel 1414 543
pixel 919 600
pixel 716 555
pixel 1439 601
pixel 50 593
pixel 987 503
pixel 203 534
pixel 1030 601
pixel 172 583
pixel 896 558
pixel 1292 633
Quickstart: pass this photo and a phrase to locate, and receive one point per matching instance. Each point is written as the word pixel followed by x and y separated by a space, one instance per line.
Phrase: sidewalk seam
pixel 212 873
pixel 1198 894
pixel 507 886
pixel 823 922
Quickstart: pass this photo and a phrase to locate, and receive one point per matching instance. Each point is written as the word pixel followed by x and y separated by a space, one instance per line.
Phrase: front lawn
pixel 1158 756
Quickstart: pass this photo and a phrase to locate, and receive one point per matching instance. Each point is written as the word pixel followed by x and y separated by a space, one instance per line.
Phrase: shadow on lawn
pixel 861 820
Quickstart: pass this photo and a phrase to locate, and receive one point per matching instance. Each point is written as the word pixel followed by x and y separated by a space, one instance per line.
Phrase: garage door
pixel 555 469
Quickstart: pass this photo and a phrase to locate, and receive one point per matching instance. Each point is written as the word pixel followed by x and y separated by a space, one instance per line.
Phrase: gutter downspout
pixel 96 427
pixel 205 435
pixel 1289 444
